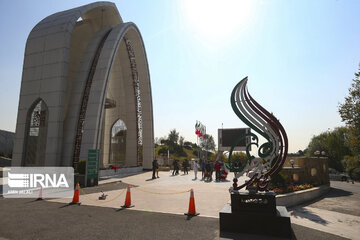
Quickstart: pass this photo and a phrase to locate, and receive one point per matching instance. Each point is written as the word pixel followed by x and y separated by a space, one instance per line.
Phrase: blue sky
pixel 300 57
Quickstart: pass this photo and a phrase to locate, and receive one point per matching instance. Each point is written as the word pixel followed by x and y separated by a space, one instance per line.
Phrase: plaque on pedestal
pixel 243 202
pixel 255 214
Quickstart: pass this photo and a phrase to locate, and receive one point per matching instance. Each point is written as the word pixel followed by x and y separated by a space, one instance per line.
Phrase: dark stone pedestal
pixel 259 203
pixel 255 214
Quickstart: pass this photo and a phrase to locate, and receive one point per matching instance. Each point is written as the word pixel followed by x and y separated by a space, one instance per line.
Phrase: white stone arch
pixel 46 70
pixel 58 58
pixel 95 111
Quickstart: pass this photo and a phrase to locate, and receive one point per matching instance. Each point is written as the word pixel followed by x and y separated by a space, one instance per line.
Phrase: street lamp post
pixel 319 153
pixel 292 162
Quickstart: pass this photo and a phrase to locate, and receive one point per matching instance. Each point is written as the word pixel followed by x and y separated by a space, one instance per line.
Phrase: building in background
pixel 85 85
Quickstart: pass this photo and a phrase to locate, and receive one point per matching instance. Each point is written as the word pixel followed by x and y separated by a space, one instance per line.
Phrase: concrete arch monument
pixel 90 69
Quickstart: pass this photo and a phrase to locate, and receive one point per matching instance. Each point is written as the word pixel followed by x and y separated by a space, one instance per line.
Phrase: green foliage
pixel 188 144
pixel 179 151
pixel 163 150
pixel 279 180
pixel 81 167
pixel 208 143
pixel 352 166
pixel 239 156
pixel 350 114
pixel 181 141
pixel 335 144
pixel 222 158
pixel 355 174
pixel 173 136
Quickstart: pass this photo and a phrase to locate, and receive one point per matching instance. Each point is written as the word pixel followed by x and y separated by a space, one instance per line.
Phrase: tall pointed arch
pixel 36 134
pixel 117 148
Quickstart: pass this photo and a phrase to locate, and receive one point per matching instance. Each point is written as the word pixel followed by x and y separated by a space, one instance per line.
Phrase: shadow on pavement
pixel 189 217
pixel 33 201
pixel 70 204
pixel 308 214
pixel 336 192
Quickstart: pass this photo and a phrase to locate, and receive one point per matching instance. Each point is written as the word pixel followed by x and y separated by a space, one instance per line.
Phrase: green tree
pixel 334 144
pixel 208 143
pixel 181 141
pixel 352 166
pixel 222 158
pixel 350 113
pixel 172 140
pixel 239 156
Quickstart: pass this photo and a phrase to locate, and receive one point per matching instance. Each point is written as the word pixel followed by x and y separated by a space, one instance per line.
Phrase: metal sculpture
pixel 272 153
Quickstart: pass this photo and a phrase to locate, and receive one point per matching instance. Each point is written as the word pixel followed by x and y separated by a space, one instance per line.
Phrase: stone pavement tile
pixel 343 197
pixel 340 224
pixel 168 194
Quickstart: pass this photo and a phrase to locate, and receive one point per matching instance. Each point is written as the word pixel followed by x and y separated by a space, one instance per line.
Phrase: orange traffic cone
pixel 128 199
pixel 76 195
pixel 40 195
pixel 192 211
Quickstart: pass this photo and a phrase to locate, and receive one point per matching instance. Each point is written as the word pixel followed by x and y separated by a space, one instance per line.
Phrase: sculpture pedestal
pixel 255 214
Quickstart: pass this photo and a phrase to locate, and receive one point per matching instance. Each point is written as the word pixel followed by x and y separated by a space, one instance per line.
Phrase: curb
pixel 299 197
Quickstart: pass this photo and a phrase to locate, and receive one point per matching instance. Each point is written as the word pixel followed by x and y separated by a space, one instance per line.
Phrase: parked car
pixel 337 176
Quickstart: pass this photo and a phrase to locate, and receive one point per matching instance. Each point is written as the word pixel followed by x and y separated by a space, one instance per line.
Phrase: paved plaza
pixel 159 210
pixel 168 194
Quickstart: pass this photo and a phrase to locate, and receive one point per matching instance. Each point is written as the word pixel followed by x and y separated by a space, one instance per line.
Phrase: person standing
pixel 211 169
pixel 155 166
pixel 217 170
pixel 185 166
pixel 175 166
pixel 208 171
pixel 196 168
pixel 202 165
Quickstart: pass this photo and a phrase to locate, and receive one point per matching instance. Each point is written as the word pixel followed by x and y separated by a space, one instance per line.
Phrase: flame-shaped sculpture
pixel 272 154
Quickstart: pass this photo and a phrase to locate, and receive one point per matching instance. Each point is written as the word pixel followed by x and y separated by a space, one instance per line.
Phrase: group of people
pixel 207 168
pixel 176 167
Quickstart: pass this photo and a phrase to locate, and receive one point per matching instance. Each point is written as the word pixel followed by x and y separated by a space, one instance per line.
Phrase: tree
pixel 163 150
pixel 173 138
pixel 208 143
pixel 350 113
pixel 188 145
pixel 352 166
pixel 181 141
pixel 334 144
pixel 214 156
pixel 239 156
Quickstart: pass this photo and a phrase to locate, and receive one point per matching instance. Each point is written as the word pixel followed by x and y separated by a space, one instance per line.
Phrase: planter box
pixel 299 197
